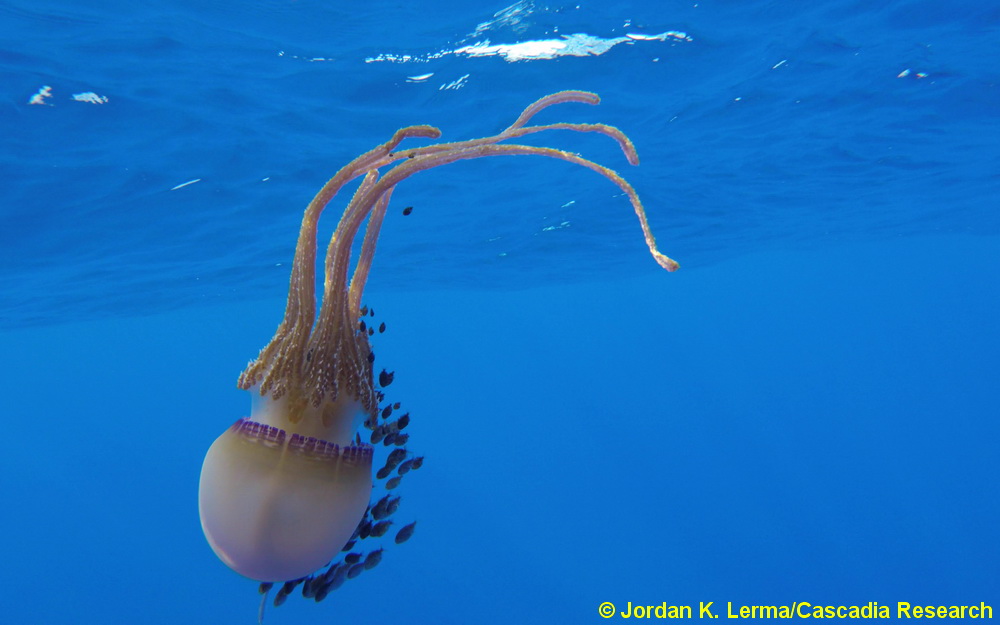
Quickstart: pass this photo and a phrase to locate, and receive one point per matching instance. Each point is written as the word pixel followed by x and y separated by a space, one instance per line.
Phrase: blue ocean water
pixel 805 412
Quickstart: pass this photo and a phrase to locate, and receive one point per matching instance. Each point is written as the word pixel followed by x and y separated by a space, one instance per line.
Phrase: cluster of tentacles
pixel 335 360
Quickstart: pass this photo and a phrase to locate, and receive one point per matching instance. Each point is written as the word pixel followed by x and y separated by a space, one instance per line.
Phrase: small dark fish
pixel 330 572
pixel 309 588
pixel 363 311
pixel 396 406
pixel 385 378
pixel 417 463
pixel 393 505
pixel 381 528
pixel 335 577
pixel 377 435
pixel 366 529
pixel 362 326
pixel 405 532
pixel 386 412
pixel 393 483
pixel 349 545
pixel 279 597
pixel 338 570
pixel 382 474
pixel 407 210
pixel 352 558
pixel 397 456
pixel 389 439
pixel 371 357
pixel 290 585
pixel 381 327
pixel 372 312
pixel 265 587
pixel 371 331
pixel 405 467
pixel 355 570
pixel 372 559
pixel 381 509
pixel 403 421
pixel 401 439
pixel 322 592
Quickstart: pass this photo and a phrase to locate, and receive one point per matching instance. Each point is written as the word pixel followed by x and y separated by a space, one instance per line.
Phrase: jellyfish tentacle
pixel 626 145
pixel 585 97
pixel 518 128
pixel 367 253
pixel 359 345
pixel 513 149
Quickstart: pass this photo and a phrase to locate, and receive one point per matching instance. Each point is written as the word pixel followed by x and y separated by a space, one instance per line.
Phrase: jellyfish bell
pixel 275 506
pixel 285 490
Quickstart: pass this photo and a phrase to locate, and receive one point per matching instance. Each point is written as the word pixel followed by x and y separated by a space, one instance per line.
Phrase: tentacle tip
pixel 571 95
pixel 666 262
pixel 427 132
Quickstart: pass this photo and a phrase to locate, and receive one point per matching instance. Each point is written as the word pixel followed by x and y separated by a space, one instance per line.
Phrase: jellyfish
pixel 284 490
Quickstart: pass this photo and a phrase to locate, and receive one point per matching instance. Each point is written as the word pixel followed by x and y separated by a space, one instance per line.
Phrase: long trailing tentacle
pixel 338 255
pixel 355 213
pixel 364 202
pixel 585 97
pixel 367 253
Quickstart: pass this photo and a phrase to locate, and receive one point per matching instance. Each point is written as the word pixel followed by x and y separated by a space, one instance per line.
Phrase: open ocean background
pixel 806 411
